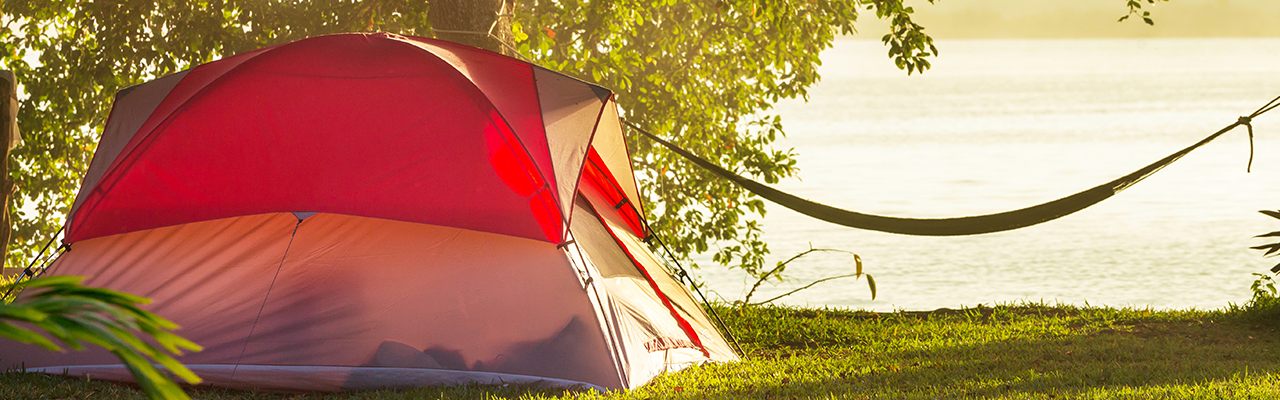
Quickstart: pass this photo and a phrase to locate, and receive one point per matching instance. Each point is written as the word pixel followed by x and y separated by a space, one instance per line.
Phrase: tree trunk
pixel 8 95
pixel 478 23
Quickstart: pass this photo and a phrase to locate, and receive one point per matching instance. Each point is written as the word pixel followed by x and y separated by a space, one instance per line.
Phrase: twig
pixel 782 265
pixel 817 282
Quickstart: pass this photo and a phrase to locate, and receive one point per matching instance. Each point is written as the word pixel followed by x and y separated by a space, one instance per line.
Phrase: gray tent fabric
pixel 571 111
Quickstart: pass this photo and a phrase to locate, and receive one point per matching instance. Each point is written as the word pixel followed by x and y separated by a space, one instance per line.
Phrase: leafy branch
pixel 72 314
pixel 908 45
pixel 777 271
pixel 1273 249
pixel 1135 7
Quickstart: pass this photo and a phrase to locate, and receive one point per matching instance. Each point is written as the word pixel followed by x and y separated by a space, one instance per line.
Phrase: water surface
pixel 998 125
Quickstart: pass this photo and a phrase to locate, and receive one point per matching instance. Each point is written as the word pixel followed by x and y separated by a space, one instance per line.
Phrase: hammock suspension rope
pixel 959 226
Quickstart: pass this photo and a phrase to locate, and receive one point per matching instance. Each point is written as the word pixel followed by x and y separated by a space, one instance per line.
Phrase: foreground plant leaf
pixel 74 314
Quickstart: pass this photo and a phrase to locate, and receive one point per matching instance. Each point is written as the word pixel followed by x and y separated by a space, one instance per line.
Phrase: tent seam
pixel 249 337
pixel 608 319
pixel 471 89
pixel 168 119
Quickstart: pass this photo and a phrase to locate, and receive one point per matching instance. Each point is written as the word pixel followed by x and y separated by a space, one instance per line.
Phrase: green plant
pixel 73 313
pixel 777 273
pixel 5 281
pixel 1273 249
pixel 1263 287
pixel 1135 6
pixel 1264 305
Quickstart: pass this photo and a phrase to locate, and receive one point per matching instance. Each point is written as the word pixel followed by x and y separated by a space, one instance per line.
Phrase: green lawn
pixel 1027 351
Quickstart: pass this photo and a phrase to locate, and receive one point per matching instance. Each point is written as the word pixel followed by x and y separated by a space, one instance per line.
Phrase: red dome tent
pixel 370 210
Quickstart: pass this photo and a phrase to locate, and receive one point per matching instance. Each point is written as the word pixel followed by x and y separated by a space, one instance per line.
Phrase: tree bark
pixel 478 23
pixel 8 90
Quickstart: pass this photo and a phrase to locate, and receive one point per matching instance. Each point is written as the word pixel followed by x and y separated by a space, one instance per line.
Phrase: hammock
pixel 959 226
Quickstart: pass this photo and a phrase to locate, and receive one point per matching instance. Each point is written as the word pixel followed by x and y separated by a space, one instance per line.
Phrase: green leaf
pixel 1271 248
pixel 20 313
pixel 871 284
pixel 174 343
pixel 857 260
pixel 25 336
pixel 48 281
pixel 152 381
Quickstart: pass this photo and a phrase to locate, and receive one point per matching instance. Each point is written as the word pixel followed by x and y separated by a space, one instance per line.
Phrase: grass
pixel 1020 351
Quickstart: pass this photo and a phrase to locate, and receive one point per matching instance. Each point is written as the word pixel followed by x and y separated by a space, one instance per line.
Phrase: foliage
pixel 86 51
pixel 74 314
pixel 1264 306
pixel 1263 288
pixel 6 281
pixel 1273 249
pixel 1135 6
pixel 704 71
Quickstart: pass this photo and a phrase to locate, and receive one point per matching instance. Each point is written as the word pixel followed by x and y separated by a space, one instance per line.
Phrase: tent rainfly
pixel 363 211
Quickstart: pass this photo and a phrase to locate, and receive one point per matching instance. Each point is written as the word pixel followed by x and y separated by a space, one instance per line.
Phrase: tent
pixel 370 210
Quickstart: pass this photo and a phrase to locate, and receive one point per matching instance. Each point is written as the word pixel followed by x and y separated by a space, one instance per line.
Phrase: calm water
pixel 1003 124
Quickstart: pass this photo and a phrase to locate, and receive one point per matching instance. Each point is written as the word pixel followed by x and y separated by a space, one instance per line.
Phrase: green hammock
pixel 973 225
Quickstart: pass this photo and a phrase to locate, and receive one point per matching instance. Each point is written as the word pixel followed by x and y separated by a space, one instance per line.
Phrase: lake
pixel 998 125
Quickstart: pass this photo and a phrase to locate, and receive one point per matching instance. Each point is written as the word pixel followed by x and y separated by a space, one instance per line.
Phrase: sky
pixel 968 19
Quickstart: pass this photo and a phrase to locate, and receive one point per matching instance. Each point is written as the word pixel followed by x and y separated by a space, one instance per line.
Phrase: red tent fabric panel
pixel 599 186
pixel 349 124
pixel 191 83
pixel 508 84
pixel 133 106
pixel 612 149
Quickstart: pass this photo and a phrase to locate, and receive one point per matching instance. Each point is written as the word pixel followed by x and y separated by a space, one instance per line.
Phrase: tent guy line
pixel 959 226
